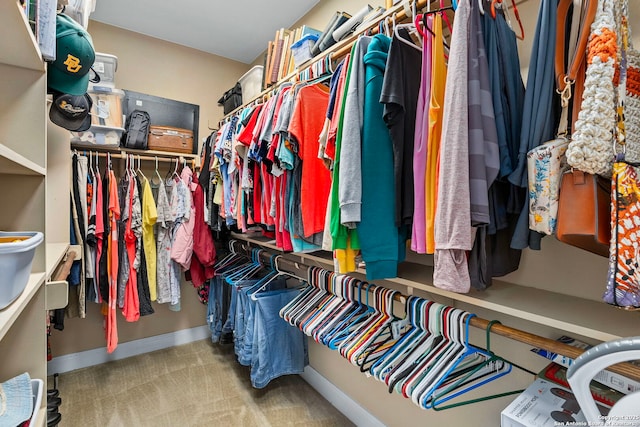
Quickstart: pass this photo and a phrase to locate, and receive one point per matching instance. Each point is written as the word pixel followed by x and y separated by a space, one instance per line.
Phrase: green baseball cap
pixel 75 55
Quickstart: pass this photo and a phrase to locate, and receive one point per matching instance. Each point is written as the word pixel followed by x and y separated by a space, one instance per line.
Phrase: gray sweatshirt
pixel 350 173
pixel 453 231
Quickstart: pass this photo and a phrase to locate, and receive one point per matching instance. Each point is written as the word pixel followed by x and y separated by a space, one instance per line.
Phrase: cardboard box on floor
pixel 544 404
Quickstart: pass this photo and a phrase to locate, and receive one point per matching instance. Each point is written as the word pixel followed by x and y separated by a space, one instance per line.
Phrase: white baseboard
pixel 84 359
pixel 342 402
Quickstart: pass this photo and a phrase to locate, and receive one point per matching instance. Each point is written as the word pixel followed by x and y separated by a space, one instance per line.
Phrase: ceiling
pixel 238 29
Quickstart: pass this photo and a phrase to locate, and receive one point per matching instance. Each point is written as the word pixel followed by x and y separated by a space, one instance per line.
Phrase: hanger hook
pixel 488 331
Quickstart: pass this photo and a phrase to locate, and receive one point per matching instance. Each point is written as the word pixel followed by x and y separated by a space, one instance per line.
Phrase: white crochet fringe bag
pixel 591 148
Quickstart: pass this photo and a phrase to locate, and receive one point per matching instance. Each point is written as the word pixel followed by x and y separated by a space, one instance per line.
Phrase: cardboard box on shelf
pixel 615 381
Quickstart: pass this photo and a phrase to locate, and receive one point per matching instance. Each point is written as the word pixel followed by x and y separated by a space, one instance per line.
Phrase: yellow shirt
pixel 149 217
pixel 438 82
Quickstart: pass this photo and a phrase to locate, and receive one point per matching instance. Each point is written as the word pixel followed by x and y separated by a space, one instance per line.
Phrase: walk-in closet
pixel 320 213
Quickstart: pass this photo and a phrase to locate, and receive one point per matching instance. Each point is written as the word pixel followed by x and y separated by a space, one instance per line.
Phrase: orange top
pixel 112 262
pixel 306 124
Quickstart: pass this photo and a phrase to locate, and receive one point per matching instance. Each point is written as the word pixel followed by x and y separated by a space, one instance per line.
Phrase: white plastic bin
pixel 251 83
pixel 17 250
pixel 105 65
pixel 107 107
pixel 97 137
pixel 302 49
pixel 37 387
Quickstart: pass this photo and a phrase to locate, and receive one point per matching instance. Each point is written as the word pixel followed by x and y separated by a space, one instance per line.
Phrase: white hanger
pixel 157 174
pixel 424 345
pixel 386 365
pixel 410 26
pixel 139 170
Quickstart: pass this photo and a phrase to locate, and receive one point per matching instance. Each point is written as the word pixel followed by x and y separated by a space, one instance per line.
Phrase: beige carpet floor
pixel 198 384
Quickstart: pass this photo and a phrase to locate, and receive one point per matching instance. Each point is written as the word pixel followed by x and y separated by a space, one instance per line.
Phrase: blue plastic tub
pixel 16 255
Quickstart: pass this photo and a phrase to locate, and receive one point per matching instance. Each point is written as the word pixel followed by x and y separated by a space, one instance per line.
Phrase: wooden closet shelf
pixel 22 50
pixel 55 253
pixel 568 313
pixel 336 51
pixel 13 163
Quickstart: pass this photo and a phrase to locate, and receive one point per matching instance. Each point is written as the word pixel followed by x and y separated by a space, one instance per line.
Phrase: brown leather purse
pixel 584 216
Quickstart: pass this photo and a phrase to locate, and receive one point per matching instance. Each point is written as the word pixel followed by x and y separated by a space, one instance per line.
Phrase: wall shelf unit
pixel 34 176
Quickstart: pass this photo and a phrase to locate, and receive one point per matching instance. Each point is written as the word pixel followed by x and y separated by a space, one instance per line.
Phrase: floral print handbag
pixel 623 281
pixel 545 164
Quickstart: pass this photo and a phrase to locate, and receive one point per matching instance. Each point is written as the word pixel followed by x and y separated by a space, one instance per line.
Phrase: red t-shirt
pixel 306 124
pixel 246 134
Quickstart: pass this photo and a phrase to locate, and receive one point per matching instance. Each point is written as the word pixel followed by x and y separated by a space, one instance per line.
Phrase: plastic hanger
pixel 330 305
pixel 333 337
pixel 229 259
pixel 268 279
pixel 139 169
pixel 339 337
pixel 97 164
pixel 175 174
pixel 314 315
pixel 494 368
pixel 422 19
pixel 415 367
pixel 326 320
pixel 459 355
pixel 236 278
pixel 300 304
pixel 339 319
pixel 380 331
pixel 500 5
pixel 352 347
pixel 132 172
pixel 343 314
pixel 442 13
pixel 401 355
pixel 452 354
pixel 388 363
pixel 410 27
pixel 379 368
pixel 307 311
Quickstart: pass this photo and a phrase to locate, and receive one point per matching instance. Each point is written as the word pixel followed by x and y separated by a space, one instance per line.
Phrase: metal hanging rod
pixel 148 158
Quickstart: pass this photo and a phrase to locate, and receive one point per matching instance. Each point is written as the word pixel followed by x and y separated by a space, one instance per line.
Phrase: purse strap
pixel 620 134
pixel 566 74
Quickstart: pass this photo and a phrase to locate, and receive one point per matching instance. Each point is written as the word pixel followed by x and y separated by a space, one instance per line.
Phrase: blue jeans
pixel 278 348
pixel 214 308
pixel 244 345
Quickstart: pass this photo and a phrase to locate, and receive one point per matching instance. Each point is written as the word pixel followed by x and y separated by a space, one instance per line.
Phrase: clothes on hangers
pixel 382 244
pixel 400 97
pixel 127 265
pixel 420 151
pixel 455 150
